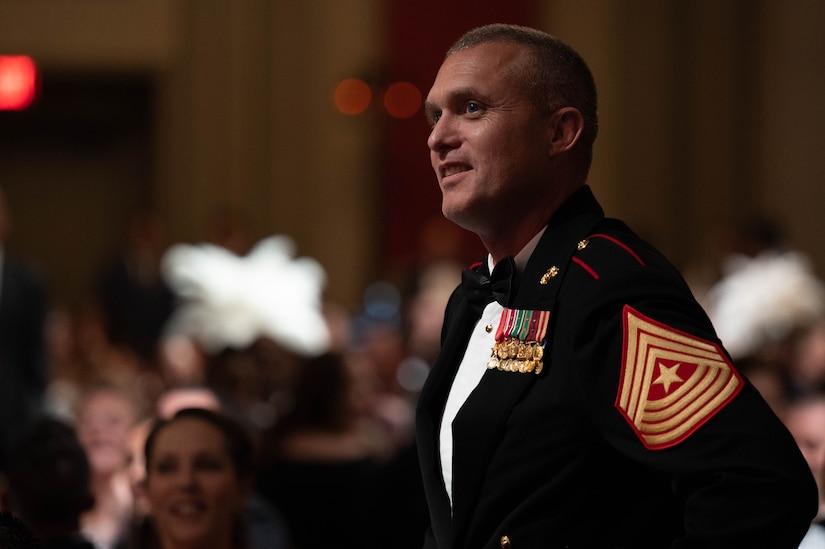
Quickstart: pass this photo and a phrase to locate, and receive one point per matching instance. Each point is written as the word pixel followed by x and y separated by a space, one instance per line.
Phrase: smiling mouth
pixel 188 509
pixel 452 170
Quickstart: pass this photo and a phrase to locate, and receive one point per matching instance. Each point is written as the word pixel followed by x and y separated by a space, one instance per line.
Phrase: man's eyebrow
pixel 462 94
pixel 458 95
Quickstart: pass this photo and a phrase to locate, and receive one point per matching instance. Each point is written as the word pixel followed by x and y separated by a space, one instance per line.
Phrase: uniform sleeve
pixel 663 392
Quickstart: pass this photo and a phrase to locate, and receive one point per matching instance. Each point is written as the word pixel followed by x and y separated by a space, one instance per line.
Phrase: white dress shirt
pixel 472 367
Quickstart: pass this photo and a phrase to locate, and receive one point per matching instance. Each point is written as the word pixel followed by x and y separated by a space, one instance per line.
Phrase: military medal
pixel 519 343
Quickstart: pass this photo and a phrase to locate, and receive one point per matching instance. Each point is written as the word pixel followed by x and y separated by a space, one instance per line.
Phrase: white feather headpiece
pixel 761 300
pixel 230 301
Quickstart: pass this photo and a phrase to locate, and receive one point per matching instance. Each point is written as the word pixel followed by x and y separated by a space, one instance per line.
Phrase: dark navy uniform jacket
pixel 637 433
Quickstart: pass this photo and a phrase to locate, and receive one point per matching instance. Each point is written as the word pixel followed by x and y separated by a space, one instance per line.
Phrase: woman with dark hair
pixel 321 468
pixel 199 468
pixel 48 478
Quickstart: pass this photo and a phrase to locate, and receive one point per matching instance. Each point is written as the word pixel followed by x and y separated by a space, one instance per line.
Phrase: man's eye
pixel 435 118
pixel 472 107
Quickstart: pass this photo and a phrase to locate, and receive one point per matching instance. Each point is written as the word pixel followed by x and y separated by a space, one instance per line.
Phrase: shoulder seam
pixel 621 244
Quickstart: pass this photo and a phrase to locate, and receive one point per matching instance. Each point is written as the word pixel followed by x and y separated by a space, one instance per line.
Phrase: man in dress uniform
pixel 581 398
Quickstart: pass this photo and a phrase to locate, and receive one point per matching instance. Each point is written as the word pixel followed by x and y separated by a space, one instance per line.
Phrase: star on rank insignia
pixel 672 382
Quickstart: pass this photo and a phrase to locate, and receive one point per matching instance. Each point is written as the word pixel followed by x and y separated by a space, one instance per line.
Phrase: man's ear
pixel 565 128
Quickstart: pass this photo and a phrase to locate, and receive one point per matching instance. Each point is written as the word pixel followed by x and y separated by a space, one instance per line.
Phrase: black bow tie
pixel 500 286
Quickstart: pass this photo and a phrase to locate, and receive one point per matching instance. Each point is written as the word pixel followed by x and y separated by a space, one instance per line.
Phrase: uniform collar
pixel 524 254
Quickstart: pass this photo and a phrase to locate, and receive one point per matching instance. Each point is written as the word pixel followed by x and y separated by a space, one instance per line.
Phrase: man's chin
pixel 458 215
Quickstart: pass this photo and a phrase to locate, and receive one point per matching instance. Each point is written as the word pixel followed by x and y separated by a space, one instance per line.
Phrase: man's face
pixel 488 144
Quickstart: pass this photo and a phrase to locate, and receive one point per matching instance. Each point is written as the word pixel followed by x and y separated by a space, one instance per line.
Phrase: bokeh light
pixel 402 100
pixel 18 82
pixel 352 96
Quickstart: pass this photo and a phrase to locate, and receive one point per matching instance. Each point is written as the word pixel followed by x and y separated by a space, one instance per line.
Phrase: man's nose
pixel 443 135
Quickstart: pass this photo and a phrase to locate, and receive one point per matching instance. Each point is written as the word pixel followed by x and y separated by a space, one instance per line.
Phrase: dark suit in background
pixel 23 364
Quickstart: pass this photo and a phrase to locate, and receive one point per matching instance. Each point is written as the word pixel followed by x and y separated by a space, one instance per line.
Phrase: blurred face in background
pixel 806 422
pixel 194 490
pixel 104 420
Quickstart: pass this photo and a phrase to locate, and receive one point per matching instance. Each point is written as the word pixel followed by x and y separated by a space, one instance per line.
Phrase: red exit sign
pixel 18 82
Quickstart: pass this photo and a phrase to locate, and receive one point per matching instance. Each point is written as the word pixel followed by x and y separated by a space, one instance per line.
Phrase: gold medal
pixel 519 341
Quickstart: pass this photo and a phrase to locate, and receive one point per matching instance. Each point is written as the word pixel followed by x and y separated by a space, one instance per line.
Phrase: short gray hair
pixel 559 77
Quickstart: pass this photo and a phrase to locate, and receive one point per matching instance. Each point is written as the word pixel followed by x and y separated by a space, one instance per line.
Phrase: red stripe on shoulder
pixel 586 267
pixel 475 265
pixel 622 245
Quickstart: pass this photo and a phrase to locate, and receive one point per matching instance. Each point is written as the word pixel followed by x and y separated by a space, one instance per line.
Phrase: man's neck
pixel 522 256
pixel 515 232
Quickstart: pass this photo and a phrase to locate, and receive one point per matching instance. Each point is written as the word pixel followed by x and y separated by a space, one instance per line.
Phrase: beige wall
pixel 247 119
pixel 709 109
pixel 244 118
pixel 84 34
pixel 791 164
pixel 678 151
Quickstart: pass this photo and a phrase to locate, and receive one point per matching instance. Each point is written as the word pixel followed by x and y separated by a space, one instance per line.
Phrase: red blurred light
pixel 352 96
pixel 18 82
pixel 402 100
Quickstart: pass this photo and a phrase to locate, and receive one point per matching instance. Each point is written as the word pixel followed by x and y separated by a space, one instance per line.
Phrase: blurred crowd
pixel 767 305
pixel 188 404
pixel 208 396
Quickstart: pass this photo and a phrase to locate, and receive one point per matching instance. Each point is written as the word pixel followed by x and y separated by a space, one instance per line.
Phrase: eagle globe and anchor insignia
pixel 672 382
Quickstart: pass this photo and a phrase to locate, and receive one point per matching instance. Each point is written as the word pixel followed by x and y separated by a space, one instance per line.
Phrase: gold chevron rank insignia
pixel 671 382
